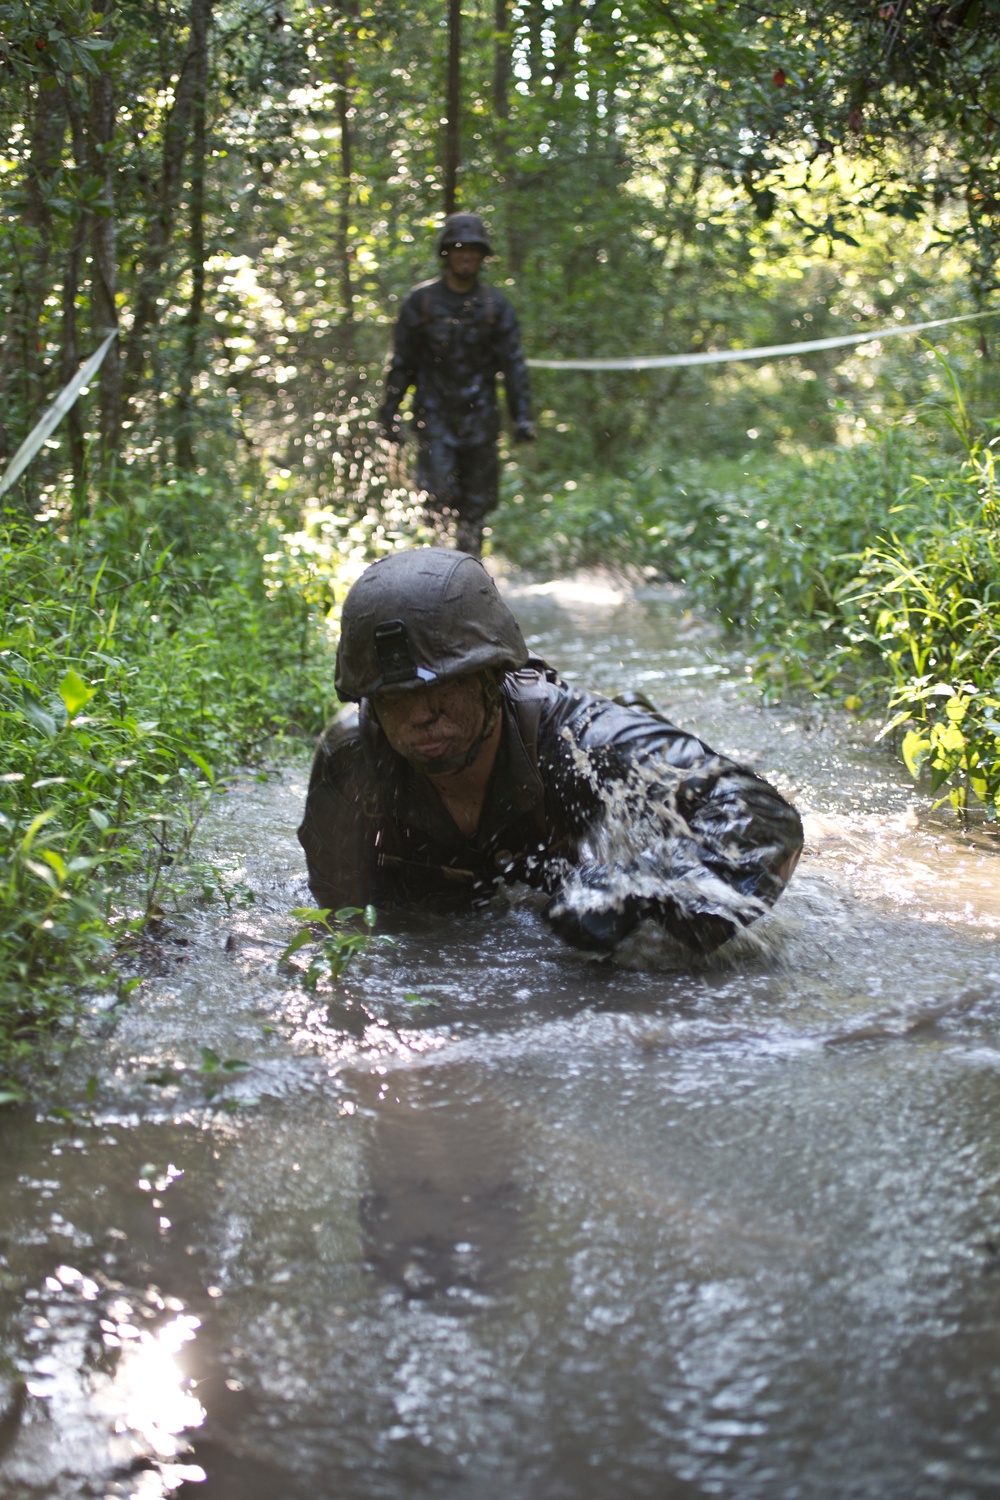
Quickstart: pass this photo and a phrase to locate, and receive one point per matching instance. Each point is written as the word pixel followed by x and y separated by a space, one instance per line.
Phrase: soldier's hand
pixel 525 432
pixel 592 914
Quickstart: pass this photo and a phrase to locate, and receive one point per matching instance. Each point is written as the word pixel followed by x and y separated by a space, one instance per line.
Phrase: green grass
pixel 141 657
pixel 871 573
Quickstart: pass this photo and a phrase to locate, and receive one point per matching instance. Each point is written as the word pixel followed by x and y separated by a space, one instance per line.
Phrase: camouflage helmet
pixel 419 617
pixel 463 229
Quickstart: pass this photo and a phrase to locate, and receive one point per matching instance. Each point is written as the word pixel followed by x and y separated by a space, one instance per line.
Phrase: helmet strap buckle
pixel 395 658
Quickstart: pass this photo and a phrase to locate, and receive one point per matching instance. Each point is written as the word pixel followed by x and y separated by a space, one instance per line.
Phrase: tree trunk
pixel 200 20
pixel 343 70
pixel 22 370
pixel 104 271
pixel 161 226
pixel 536 57
pixel 451 139
pixel 70 356
pixel 505 160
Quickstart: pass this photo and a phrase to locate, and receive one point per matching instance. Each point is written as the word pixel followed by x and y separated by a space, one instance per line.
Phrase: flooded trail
pixel 499 1220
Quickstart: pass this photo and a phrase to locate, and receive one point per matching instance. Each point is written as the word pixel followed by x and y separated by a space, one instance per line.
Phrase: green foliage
pixel 213 1072
pixel 133 676
pixel 929 600
pixel 872 573
pixel 334 940
pixel 650 186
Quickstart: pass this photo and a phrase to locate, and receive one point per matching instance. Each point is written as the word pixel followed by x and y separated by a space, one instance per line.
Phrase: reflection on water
pixel 149 1386
pixel 502 1220
pixel 441 1212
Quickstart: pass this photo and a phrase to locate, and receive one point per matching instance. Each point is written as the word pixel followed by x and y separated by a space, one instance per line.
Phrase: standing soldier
pixel 452 337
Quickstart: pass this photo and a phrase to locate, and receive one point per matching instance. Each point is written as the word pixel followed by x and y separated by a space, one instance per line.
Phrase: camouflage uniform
pixel 451 346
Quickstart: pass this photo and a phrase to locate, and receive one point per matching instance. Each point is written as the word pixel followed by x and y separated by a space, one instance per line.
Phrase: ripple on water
pixel 553 1227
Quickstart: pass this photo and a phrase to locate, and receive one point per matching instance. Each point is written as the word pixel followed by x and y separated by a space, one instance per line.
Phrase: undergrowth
pixel 871 573
pixel 142 655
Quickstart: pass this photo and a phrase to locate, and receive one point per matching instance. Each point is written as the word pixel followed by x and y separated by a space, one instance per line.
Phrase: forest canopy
pixel 245 190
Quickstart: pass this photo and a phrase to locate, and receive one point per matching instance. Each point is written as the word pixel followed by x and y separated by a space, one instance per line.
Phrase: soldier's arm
pixel 680 833
pixel 510 360
pixel 337 834
pixel 402 370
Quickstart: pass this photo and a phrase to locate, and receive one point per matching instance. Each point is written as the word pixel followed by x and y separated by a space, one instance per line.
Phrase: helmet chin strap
pixel 490 688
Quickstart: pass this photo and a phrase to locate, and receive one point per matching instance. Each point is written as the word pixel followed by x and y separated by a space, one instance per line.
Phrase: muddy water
pixel 553 1228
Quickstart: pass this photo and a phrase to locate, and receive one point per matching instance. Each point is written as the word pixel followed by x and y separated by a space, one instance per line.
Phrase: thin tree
pixel 505 160
pixel 159 236
pixel 21 363
pixel 451 137
pixel 201 11
pixel 104 271
pixel 72 273
pixel 343 70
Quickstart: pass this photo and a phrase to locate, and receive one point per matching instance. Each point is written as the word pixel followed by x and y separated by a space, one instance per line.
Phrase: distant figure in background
pixel 452 338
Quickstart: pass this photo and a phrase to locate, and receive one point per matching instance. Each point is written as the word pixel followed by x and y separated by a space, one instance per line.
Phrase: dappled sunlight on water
pixel 497 1218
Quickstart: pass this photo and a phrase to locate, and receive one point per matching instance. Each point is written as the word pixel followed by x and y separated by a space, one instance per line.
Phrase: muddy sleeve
pixel 337 834
pixel 510 359
pixel 402 371
pixel 678 831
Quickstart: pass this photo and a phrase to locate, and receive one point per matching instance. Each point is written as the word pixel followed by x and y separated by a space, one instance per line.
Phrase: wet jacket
pixel 451 346
pixel 376 831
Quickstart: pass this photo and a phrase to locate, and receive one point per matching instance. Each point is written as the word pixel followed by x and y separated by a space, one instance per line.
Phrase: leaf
pixel 38 716
pixel 947 738
pixel 417 1002
pixel 74 692
pixel 57 863
pixel 202 765
pixel 210 1061
pixel 301 939
pixel 914 751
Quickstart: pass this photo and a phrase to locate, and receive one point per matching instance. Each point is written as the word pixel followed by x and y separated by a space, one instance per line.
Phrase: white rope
pixel 726 356
pixel 53 415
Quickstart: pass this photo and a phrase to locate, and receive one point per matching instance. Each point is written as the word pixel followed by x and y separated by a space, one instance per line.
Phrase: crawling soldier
pixel 468 762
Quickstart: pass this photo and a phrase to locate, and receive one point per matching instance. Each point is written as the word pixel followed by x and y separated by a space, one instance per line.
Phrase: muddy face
pixel 434 728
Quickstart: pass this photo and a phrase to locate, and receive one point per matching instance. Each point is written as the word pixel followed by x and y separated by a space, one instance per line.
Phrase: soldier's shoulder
pixel 338 750
pixel 420 303
pixel 422 291
pixel 535 687
pixel 501 302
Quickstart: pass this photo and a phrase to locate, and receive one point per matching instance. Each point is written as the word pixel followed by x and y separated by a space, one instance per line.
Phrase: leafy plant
pixel 132 677
pixel 214 1071
pixel 333 938
pixel 870 573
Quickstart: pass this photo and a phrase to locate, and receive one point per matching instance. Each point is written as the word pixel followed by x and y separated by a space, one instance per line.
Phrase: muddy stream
pixel 497 1220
